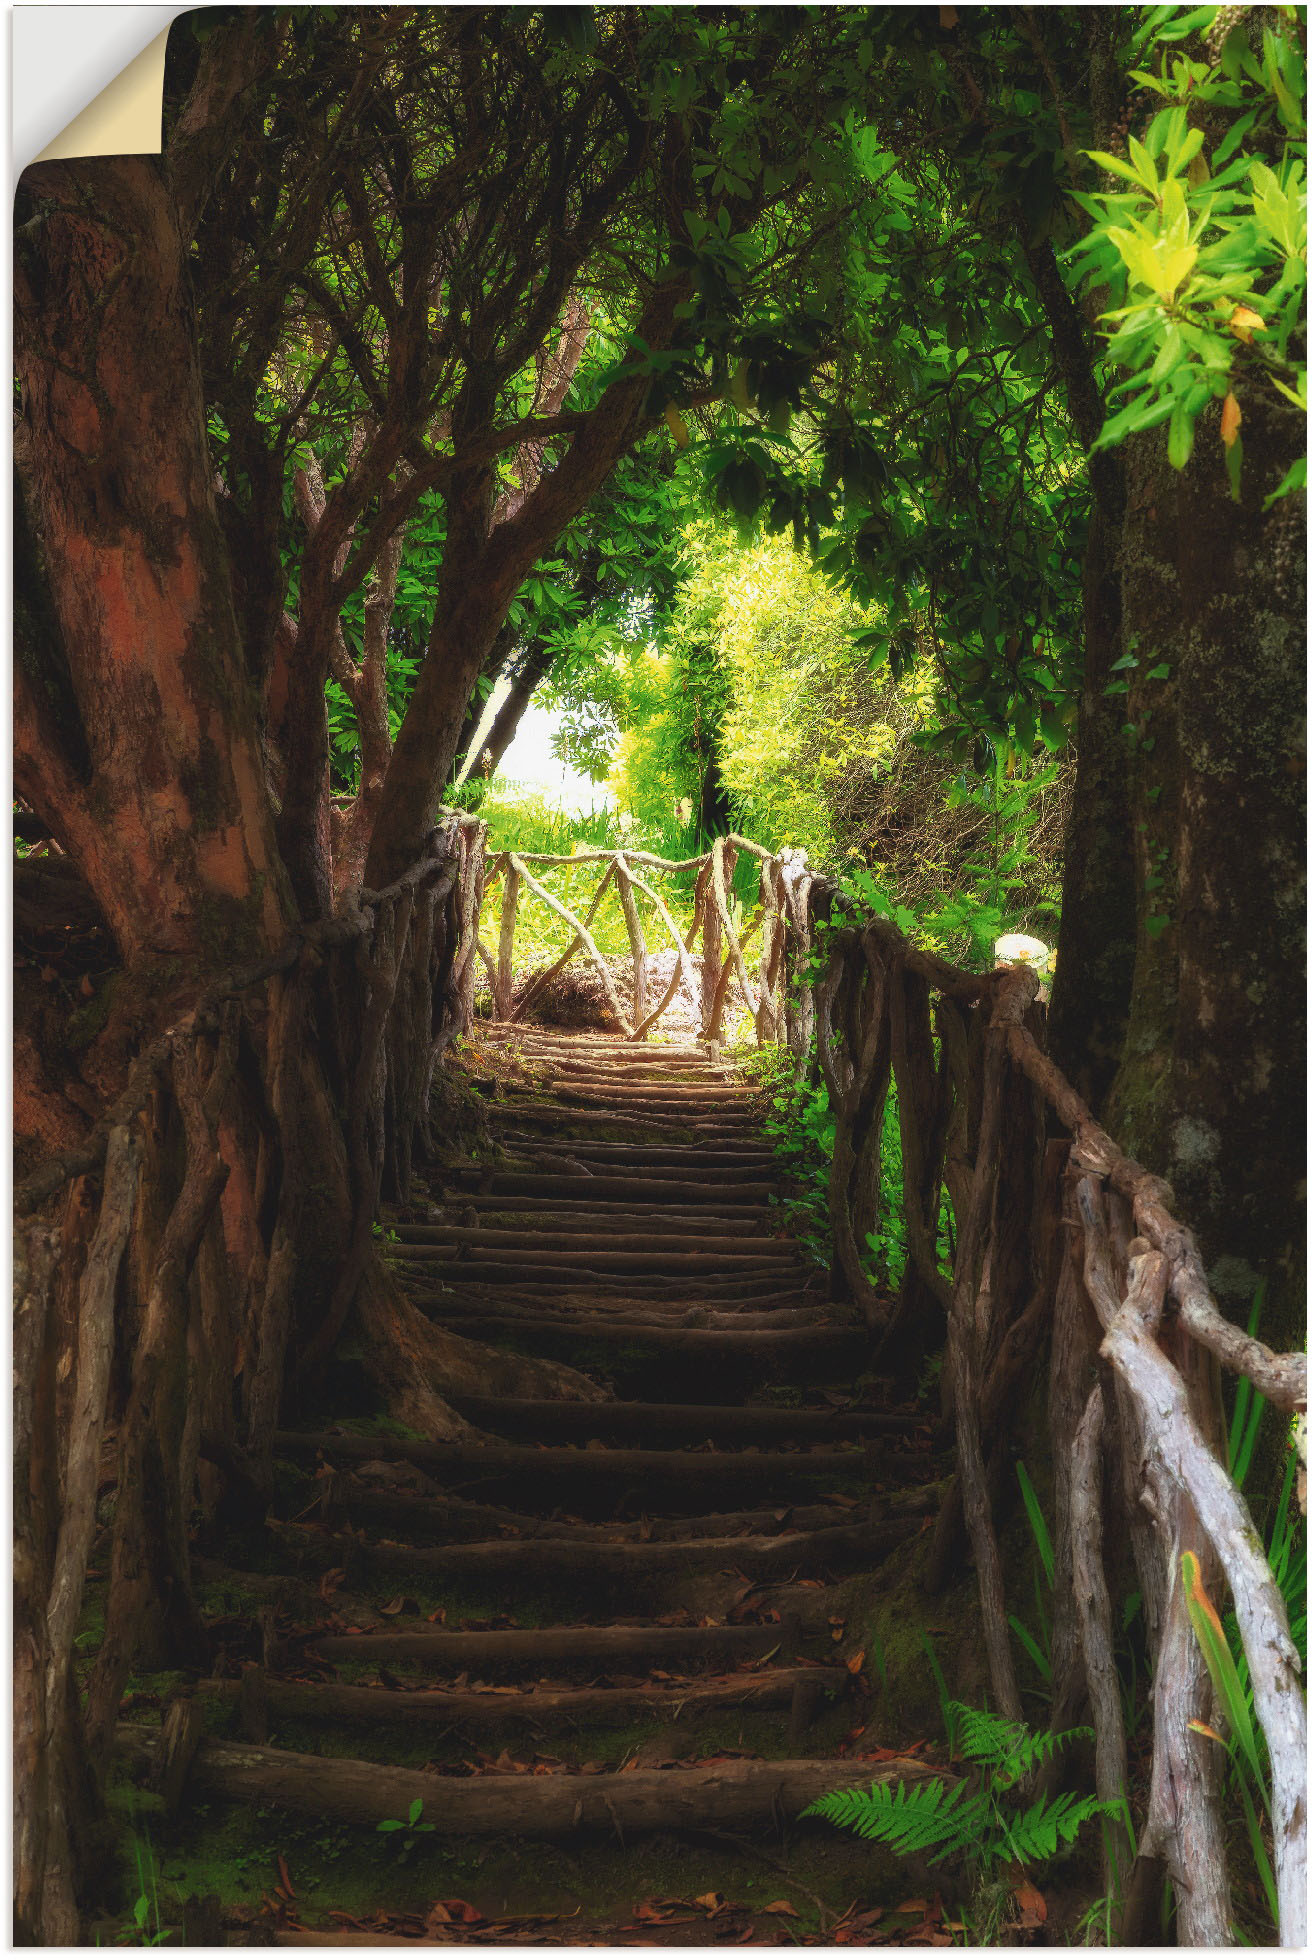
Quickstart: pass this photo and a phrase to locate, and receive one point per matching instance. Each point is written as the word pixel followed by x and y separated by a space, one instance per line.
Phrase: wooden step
pixel 542 1708
pixel 841 1350
pixel 460 1462
pixel 640 1421
pixel 581 1562
pixel 478 1288
pixel 677 1157
pixel 738 1795
pixel 577 1214
pixel 549 1184
pixel 348 1500
pixel 523 1649
pixel 611 1244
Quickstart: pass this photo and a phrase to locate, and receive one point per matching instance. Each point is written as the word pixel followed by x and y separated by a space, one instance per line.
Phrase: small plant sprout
pixel 411 1827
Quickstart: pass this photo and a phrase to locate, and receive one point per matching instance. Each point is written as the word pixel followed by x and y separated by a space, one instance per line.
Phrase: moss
pixel 93 1017
pixel 890 1616
pixel 233 1852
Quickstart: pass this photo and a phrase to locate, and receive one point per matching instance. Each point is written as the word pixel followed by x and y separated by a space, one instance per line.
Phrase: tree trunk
pixel 1095 948
pixel 532 671
pixel 483 567
pixel 493 668
pixel 1210 1088
pixel 714 817
pixel 146 763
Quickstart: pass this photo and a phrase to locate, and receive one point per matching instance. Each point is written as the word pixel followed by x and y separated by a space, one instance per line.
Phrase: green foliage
pixel 1038 1649
pixel 409 1829
pixel 974 1820
pixel 950 1709
pixel 146 1926
pixel 1202 244
pixel 1005 877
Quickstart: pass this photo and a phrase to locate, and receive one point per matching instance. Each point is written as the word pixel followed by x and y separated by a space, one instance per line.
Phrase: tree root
pixel 415 1363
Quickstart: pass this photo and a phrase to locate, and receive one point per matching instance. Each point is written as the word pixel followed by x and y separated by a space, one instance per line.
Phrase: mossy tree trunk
pixel 1210 1088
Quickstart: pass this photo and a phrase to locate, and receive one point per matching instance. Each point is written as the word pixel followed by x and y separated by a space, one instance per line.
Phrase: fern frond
pixel 908 1818
pixel 1008 1748
pixel 1039 1832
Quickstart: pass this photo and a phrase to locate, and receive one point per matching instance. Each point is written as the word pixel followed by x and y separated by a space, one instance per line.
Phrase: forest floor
pixel 570 1682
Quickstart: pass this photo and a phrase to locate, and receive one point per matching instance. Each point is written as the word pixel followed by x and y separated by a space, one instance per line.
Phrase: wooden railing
pixel 135 1313
pixel 723 948
pixel 1054 1238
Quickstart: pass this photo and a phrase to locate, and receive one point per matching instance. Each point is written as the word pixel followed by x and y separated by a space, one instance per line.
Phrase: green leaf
pixel 1294 478
pixel 1234 464
pixel 1038 1523
pixel 1180 437
pixel 1210 1634
pixel 1031 1646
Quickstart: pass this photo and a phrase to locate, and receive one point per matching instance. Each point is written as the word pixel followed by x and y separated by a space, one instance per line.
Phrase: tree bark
pixel 1210 1089
pixel 529 675
pixel 483 567
pixel 168 817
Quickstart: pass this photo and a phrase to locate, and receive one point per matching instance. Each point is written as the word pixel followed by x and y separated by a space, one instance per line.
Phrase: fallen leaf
pixel 285 1876
pixel 461 1911
pixel 782 1907
pixel 712 1901
pixel 1201 1728
pixel 1231 417
pixel 856 1661
pixel 1033 1905
pixel 913 1905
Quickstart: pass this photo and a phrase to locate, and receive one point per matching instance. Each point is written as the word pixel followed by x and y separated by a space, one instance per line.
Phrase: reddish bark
pixel 146 762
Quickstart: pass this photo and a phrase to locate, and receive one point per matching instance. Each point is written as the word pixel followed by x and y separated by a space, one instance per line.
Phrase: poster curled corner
pixel 63 104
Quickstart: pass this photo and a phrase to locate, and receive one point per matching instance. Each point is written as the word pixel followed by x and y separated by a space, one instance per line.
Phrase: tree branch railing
pixel 712 921
pixel 124 1273
pixel 1052 1235
pixel 1025 1226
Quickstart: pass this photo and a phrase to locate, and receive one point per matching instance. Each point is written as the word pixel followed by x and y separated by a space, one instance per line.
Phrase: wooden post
pixel 504 986
pixel 712 953
pixel 637 944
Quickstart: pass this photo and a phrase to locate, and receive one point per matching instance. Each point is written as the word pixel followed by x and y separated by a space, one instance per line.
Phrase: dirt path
pixel 601 1645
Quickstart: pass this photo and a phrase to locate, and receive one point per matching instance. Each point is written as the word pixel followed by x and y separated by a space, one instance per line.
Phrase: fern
pixel 908 1818
pixel 1008 1748
pixel 961 1821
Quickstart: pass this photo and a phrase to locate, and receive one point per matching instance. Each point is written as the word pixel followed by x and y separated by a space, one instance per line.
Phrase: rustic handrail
pixel 1063 1238
pixel 388 985
pixel 1043 1229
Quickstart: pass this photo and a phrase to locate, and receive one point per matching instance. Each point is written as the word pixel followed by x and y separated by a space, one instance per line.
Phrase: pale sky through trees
pixel 530 765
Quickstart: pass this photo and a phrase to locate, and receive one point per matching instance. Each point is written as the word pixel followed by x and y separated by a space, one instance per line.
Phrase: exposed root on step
pixel 416 1365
